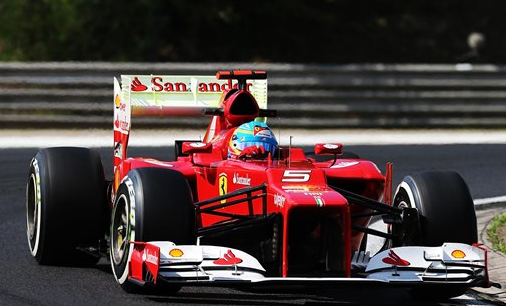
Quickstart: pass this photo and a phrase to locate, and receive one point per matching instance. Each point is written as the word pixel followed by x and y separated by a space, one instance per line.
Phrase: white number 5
pixel 296 176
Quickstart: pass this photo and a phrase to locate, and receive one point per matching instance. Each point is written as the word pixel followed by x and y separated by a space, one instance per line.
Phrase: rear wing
pixel 188 96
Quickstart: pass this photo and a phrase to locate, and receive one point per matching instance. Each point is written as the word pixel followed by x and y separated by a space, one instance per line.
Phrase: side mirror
pixel 328 148
pixel 197 147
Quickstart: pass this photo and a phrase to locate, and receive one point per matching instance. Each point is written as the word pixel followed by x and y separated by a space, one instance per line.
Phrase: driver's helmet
pixel 253 133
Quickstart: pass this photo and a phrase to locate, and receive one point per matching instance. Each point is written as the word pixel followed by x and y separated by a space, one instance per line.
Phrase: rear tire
pixel 446 213
pixel 152 204
pixel 65 205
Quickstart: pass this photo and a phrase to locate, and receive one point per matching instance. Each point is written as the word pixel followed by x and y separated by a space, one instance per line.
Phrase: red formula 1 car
pixel 237 208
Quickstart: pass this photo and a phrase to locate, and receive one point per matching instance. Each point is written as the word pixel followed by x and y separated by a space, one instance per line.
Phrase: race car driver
pixel 252 140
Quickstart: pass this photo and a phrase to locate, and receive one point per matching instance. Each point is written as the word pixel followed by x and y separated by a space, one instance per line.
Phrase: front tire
pixel 445 207
pixel 65 205
pixel 152 204
pixel 446 213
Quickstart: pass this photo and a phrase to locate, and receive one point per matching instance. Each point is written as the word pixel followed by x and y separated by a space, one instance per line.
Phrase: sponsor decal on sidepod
pixel 240 180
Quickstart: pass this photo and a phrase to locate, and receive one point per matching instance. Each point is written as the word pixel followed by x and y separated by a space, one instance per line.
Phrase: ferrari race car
pixel 238 209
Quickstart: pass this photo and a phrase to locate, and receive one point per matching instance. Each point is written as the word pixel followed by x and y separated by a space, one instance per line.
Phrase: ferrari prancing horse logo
pixel 222 185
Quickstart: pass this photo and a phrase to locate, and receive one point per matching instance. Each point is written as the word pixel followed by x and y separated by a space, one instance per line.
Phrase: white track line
pixel 487 201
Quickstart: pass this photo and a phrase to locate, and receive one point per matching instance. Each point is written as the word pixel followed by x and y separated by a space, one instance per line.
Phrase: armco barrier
pixel 72 94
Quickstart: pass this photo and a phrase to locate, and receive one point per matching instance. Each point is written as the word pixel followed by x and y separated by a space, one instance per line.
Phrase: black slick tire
pixel 66 205
pixel 445 207
pixel 152 204
pixel 446 213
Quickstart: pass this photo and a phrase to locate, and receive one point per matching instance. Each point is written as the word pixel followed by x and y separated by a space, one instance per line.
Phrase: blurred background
pixel 295 31
pixel 342 63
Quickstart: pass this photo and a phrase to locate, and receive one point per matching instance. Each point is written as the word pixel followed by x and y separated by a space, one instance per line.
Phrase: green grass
pixel 499 243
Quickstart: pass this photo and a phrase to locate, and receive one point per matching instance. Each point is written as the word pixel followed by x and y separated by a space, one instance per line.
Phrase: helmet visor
pixel 270 148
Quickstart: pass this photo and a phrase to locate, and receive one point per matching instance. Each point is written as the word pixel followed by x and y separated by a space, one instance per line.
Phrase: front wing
pixel 451 264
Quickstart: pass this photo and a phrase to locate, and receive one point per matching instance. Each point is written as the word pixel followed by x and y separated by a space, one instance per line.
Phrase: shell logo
pixel 117 101
pixel 176 253
pixel 458 254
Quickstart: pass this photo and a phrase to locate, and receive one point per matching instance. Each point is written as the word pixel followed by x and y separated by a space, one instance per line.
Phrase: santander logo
pixel 395 260
pixel 137 85
pixel 158 84
pixel 228 259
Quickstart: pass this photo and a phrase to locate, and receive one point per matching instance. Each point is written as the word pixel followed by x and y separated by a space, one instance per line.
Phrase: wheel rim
pixel 401 201
pixel 32 214
pixel 120 230
pixel 403 204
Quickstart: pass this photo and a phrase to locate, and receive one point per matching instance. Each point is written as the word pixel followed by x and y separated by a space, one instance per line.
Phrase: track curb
pixel 496 260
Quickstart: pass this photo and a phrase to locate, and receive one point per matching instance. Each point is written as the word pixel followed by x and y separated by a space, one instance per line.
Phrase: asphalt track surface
pixel 24 282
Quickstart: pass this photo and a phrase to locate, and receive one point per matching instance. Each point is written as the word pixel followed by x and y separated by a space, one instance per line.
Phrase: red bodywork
pixel 297 187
